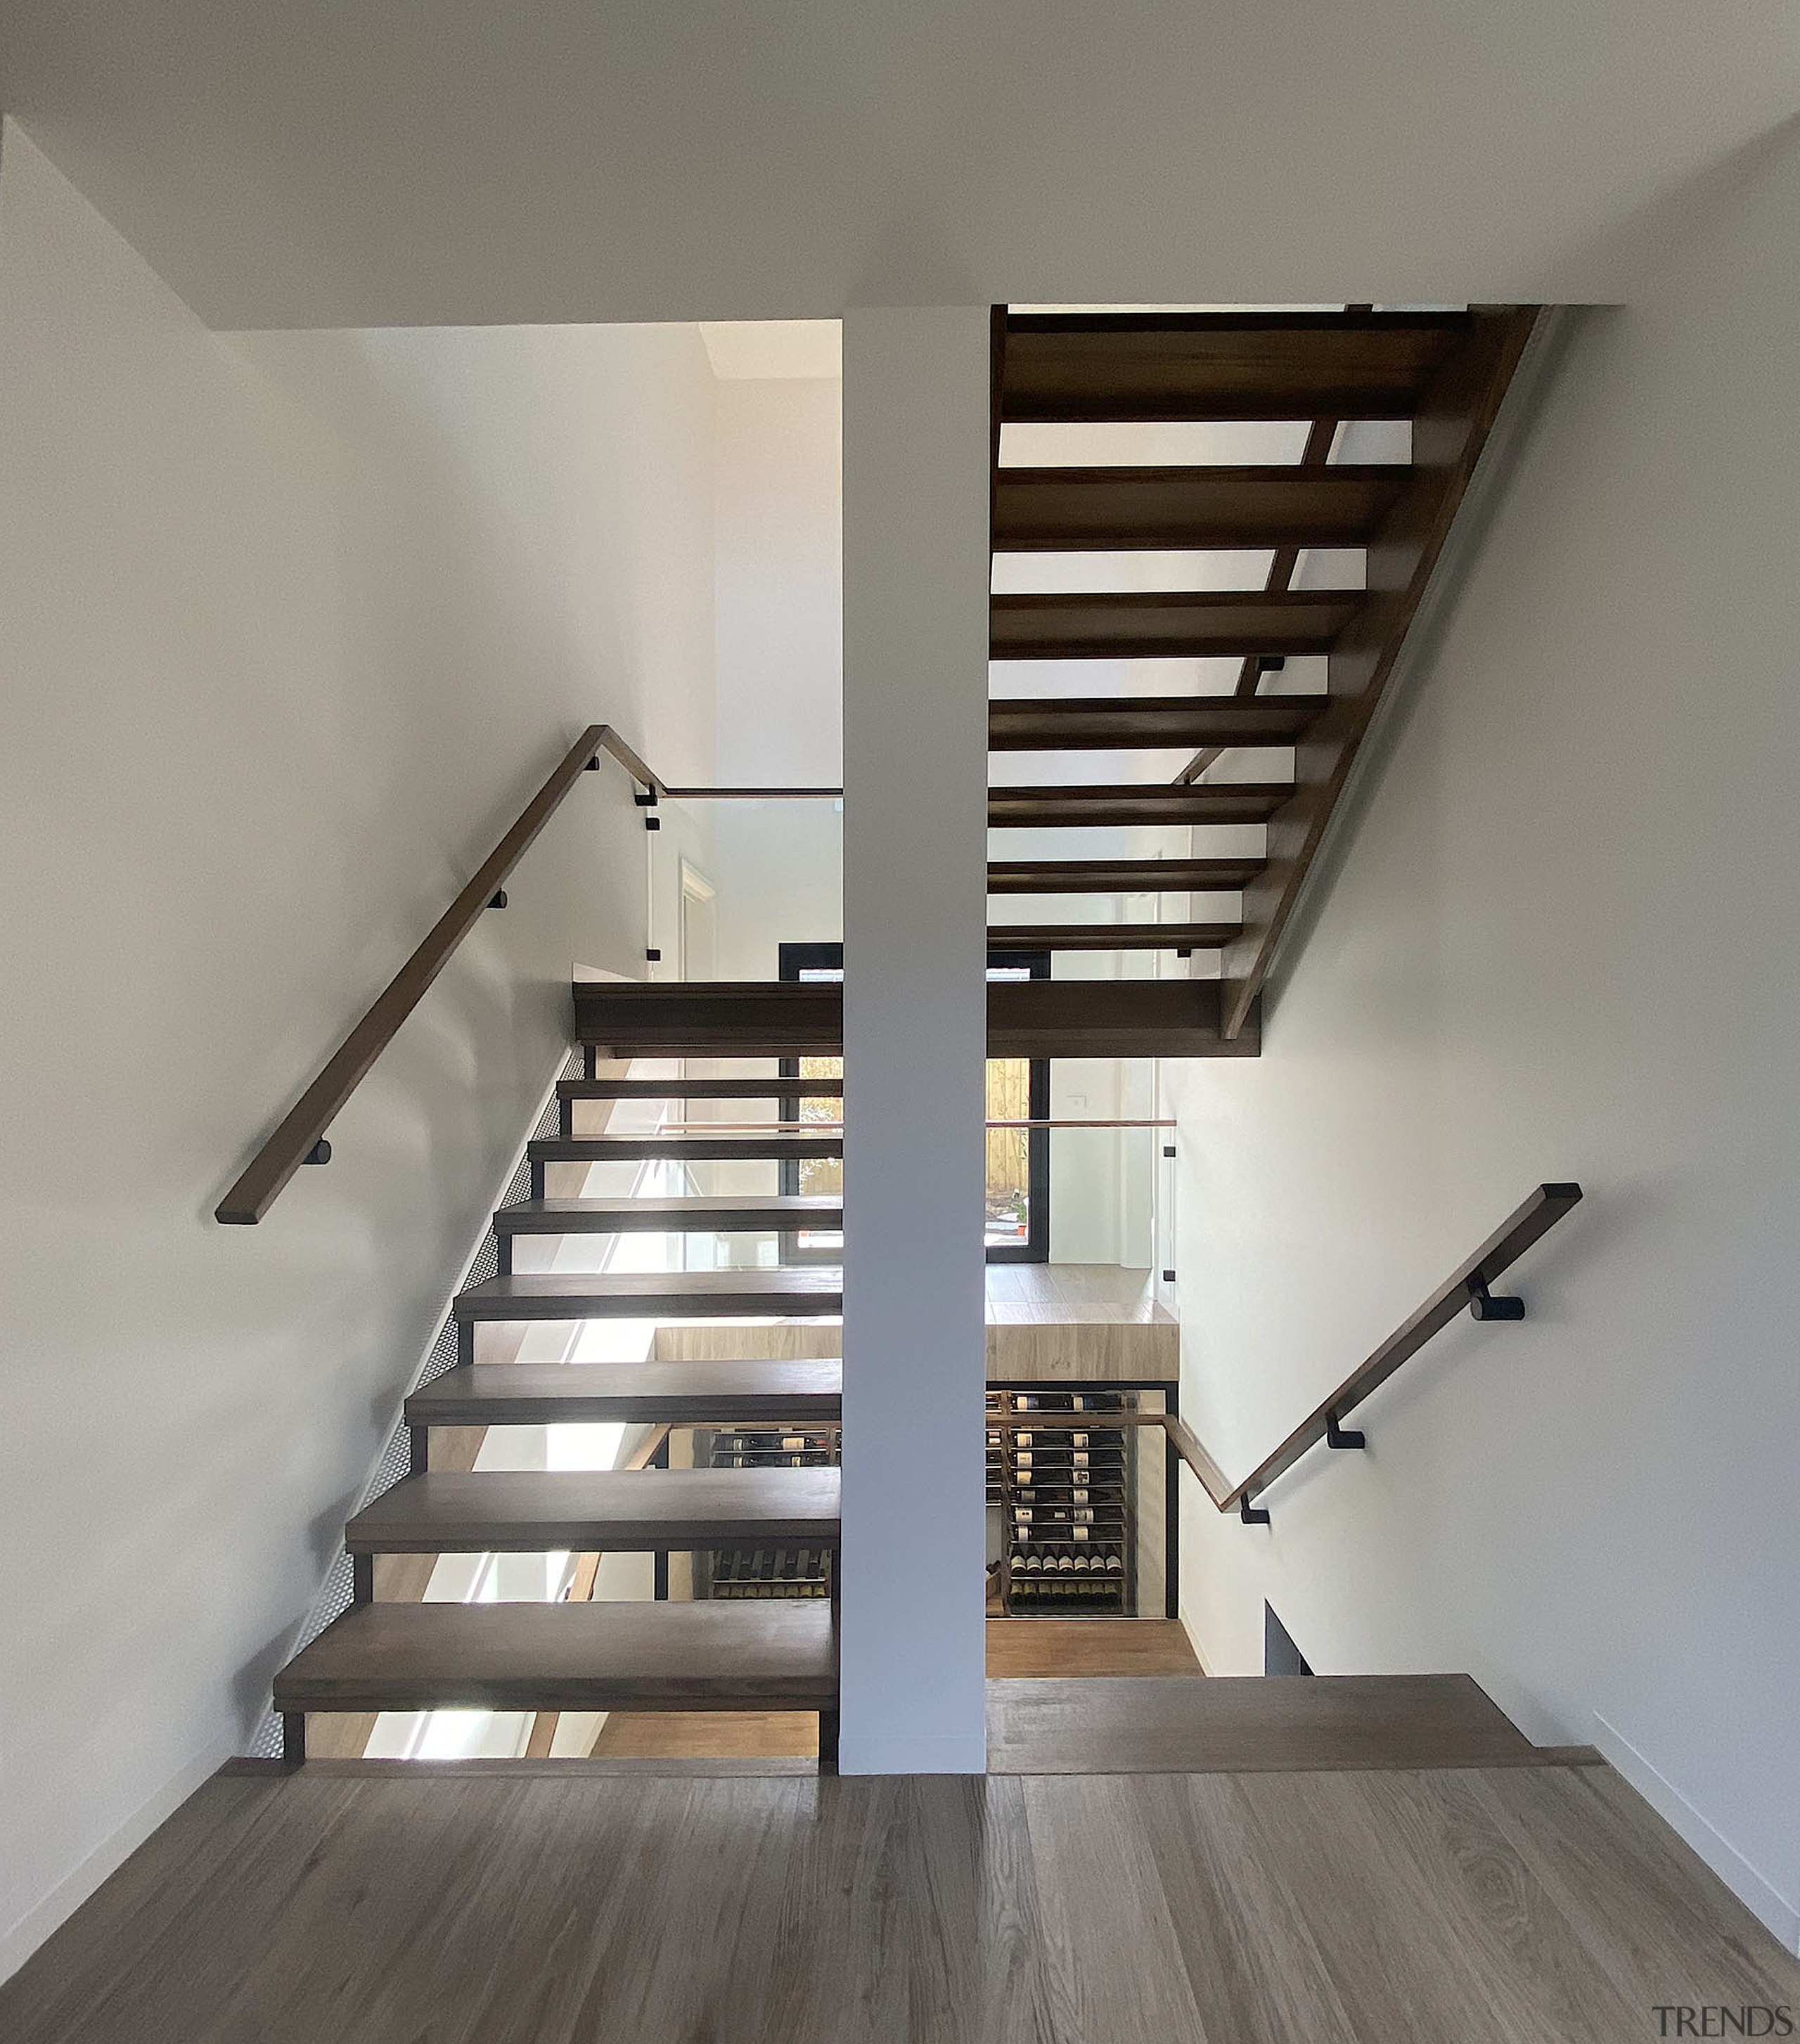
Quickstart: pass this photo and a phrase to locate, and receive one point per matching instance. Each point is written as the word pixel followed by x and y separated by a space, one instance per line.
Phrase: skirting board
pixel 22 1938
pixel 1758 1894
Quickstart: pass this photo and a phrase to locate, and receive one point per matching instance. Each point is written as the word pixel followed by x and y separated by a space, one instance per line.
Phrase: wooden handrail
pixel 1538 1215
pixel 305 1125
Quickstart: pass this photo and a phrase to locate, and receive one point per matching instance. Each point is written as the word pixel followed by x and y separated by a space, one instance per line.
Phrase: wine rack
pixel 752 1572
pixel 1065 1495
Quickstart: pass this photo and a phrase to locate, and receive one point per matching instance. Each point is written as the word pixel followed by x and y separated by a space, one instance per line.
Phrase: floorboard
pixel 1149 1724
pixel 1520 1905
pixel 1021 1648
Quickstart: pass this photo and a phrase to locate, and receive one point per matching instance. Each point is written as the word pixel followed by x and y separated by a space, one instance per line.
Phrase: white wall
pixel 779 602
pixel 1565 944
pixel 778 609
pixel 289 628
pixel 779 870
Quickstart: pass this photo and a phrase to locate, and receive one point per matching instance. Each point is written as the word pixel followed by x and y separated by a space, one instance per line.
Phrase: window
pixel 1018 1226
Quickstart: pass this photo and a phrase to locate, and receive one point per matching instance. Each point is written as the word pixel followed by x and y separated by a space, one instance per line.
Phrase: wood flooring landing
pixel 1150 1724
pixel 1519 1906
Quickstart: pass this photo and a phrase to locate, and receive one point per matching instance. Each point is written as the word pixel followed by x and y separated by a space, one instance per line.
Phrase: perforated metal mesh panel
pixel 333 1599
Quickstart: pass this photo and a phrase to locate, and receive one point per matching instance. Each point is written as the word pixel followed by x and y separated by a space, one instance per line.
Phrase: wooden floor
pixel 1519 1906
pixel 1020 1646
pixel 1047 1322
pixel 1069 1322
pixel 708 1734
pixel 1152 1724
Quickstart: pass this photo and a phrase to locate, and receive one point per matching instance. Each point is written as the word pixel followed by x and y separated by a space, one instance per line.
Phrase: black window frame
pixel 793 960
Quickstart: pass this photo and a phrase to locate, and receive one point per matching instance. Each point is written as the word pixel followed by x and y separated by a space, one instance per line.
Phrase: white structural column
pixel 916 692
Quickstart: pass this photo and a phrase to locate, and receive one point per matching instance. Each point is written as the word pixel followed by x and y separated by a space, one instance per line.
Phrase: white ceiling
pixel 319 162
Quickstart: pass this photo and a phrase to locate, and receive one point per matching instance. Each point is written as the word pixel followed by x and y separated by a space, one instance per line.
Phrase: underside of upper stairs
pixel 1306 552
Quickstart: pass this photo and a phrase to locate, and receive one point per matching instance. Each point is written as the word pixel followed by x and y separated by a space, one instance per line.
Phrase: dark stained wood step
pixel 1120 876
pixel 575 1295
pixel 1223 365
pixel 1062 724
pixel 1138 624
pixel 728 1018
pixel 532 1511
pixel 1104 510
pixel 571 1657
pixel 1149 1724
pixel 526 1394
pixel 1039 1018
pixel 1084 805
pixel 722 1214
pixel 1112 936
pixel 775 1089
pixel 696 1143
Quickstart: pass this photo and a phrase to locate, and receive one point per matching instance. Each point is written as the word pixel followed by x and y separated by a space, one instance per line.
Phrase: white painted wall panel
pixel 1565 944
pixel 290 629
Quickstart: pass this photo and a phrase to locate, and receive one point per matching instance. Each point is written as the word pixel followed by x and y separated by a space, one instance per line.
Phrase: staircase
pixel 1268 749
pixel 1442 374
pixel 735 1649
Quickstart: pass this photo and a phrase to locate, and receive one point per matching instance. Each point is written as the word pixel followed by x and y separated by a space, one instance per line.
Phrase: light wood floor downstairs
pixel 1037 1646
pixel 1526 1905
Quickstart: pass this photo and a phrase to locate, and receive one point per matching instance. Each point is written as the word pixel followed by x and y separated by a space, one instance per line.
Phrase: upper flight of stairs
pixel 1443 372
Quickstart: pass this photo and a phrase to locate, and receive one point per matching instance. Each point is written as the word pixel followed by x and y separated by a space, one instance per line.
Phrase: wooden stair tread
pixel 696 1144
pixel 1084 805
pixel 1157 625
pixel 1111 509
pixel 1054 724
pixel 1223 365
pixel 735 1018
pixel 730 1089
pixel 539 1511
pixel 573 1657
pixel 576 1294
pixel 723 1213
pixel 533 1393
pixel 1112 936
pixel 1120 876
pixel 1177 1724
pixel 1039 1018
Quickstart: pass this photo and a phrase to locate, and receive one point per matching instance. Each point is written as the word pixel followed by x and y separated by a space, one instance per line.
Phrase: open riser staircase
pixel 757 1515
pixel 751 1500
